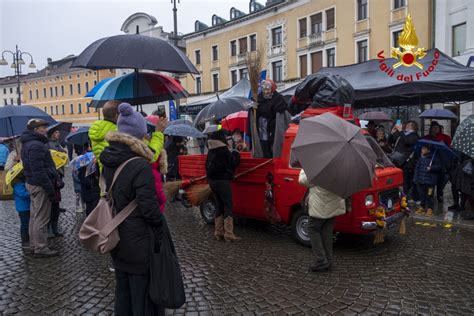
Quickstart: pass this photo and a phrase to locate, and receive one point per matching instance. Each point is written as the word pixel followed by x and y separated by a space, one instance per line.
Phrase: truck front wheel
pixel 299 227
pixel 208 211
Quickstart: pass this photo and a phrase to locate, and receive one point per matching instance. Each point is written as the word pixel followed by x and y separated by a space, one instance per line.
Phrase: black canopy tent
pixel 377 84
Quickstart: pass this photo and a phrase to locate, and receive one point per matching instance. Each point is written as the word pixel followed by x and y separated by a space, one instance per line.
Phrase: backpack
pixel 99 231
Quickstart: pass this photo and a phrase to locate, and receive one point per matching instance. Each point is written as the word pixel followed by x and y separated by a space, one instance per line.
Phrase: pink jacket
pixel 160 167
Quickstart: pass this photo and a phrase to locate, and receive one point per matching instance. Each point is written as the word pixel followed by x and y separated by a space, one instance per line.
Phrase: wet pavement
pixel 430 270
pixel 445 217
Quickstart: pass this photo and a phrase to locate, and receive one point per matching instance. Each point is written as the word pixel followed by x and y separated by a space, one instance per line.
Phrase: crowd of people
pixel 425 175
pixel 121 135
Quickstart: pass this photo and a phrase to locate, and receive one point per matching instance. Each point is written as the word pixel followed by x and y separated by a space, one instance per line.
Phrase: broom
pixel 199 193
pixel 171 188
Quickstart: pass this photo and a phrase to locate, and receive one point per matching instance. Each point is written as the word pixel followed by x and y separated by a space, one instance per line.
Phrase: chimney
pixel 49 60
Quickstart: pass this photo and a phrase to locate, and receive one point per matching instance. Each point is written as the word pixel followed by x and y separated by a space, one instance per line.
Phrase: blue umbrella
pixel 94 90
pixel 79 137
pixel 438 114
pixel 82 160
pixel 139 88
pixel 183 130
pixel 439 149
pixel 13 118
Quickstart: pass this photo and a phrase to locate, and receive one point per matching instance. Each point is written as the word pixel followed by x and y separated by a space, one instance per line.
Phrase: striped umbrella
pixel 139 88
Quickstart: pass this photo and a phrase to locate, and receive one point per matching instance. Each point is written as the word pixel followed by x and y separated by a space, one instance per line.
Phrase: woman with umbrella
pixel 336 162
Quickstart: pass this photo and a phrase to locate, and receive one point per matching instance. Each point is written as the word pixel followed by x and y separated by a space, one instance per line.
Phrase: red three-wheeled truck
pixel 290 197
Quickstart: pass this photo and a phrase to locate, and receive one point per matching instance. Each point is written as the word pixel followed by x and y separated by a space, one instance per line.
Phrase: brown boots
pixel 229 230
pixel 224 229
pixel 219 227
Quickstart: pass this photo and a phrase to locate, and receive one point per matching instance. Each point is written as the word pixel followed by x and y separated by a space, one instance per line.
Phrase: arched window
pixel 57 110
pixel 71 110
pixel 79 88
pixel 46 109
pixel 52 110
pixel 31 95
pixel 79 108
pixel 88 109
pixel 87 87
pixel 62 109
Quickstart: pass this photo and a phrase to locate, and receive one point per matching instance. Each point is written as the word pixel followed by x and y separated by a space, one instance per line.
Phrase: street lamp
pixel 16 64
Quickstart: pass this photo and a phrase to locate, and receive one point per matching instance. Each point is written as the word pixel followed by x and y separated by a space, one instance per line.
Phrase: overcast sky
pixel 57 28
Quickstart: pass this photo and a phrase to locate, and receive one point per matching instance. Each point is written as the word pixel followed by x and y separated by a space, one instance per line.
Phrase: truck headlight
pixel 369 200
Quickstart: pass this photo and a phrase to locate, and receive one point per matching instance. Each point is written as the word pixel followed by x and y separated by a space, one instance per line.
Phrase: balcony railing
pixel 316 39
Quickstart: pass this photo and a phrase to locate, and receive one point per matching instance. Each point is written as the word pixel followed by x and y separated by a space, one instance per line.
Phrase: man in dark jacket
pixel 131 257
pixel 41 180
pixel 404 142
pixel 221 164
pixel 426 175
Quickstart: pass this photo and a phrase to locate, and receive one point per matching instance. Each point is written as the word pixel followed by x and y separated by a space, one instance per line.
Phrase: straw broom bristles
pixel 171 188
pixel 199 193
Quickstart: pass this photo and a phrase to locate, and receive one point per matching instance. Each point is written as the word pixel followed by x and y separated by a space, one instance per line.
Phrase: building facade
pixel 454 35
pixel 8 91
pixel 59 91
pixel 298 37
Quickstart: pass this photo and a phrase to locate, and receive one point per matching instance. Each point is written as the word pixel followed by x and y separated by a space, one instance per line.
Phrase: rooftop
pixel 236 16
pixel 56 67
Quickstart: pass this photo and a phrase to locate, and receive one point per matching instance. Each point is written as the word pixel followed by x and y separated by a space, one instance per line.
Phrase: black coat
pixel 135 182
pixel 173 151
pixel 268 108
pixel 406 146
pixel 38 165
pixel 221 163
pixel 425 176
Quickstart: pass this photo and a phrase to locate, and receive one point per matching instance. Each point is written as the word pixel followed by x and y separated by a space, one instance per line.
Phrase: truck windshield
pixel 382 159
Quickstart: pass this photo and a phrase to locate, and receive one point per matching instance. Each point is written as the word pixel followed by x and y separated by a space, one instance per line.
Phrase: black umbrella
pixel 64 129
pixel 79 137
pixel 221 108
pixel 136 52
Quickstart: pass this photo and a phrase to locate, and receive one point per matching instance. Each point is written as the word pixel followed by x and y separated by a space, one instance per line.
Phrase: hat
pixel 52 129
pixel 35 123
pixel 131 122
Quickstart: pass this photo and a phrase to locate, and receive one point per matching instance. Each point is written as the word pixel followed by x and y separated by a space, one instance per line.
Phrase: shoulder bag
pixel 99 231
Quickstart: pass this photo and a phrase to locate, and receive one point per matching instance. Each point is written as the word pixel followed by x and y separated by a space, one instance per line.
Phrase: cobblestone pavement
pixel 428 271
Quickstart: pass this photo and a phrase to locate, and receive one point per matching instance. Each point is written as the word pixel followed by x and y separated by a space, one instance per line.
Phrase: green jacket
pixel 100 128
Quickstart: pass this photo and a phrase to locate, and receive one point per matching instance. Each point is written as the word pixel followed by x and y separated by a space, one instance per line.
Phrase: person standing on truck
pixel 270 102
pixel 323 207
pixel 403 142
pixel 221 164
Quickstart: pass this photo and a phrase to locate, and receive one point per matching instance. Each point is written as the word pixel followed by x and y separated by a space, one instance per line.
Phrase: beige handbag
pixel 99 231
